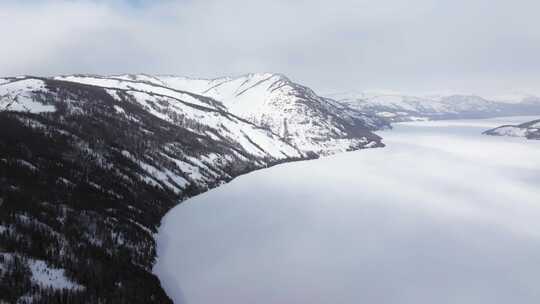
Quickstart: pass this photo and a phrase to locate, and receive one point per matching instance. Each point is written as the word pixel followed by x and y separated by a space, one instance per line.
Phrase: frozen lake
pixel 442 215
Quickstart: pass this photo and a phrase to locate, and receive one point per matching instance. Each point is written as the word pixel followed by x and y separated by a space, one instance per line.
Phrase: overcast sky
pixel 410 45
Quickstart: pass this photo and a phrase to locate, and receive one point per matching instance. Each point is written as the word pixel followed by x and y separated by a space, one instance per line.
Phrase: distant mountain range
pixel 529 130
pixel 397 107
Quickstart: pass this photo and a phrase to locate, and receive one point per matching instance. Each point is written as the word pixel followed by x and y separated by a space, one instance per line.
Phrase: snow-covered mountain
pixel 90 164
pixel 529 130
pixel 311 123
pixel 399 107
pixel 515 98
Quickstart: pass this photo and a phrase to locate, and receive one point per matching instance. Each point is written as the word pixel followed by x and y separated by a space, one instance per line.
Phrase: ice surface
pixel 442 215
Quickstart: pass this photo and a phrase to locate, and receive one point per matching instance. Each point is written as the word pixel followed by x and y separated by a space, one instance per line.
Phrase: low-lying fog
pixel 442 215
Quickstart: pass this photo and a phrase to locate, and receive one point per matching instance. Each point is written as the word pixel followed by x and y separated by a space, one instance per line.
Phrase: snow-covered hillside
pixel 529 130
pixel 311 123
pixel 401 107
pixel 16 95
pixel 90 164
pixel 308 121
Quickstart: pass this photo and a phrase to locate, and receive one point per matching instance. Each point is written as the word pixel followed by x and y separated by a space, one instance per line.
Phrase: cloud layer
pixel 442 215
pixel 476 45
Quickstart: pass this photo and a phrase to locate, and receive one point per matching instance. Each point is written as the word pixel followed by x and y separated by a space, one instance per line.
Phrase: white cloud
pixel 343 44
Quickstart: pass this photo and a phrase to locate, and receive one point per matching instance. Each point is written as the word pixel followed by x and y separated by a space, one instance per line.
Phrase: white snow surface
pixel 47 276
pixel 442 215
pixel 273 101
pixel 386 114
pixel 125 83
pixel 511 131
pixel 15 96
pixel 536 125
pixel 177 107
pixel 176 102
pixel 266 113
pixel 43 274
pixel 243 95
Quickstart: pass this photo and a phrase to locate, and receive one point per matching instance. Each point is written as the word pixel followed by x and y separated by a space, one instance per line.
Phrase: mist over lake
pixel 443 214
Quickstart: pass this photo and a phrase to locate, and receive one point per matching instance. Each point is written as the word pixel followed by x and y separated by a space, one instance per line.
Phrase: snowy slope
pixel 529 130
pixel 50 277
pixel 89 165
pixel 16 95
pixel 201 116
pixel 311 122
pixel 400 107
pixel 264 115
pixel 87 172
pixel 140 84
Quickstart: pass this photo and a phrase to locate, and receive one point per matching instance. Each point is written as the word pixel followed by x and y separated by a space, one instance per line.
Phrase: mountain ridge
pixel 272 101
pixel 529 130
pixel 402 107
